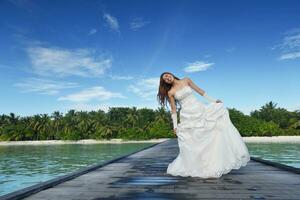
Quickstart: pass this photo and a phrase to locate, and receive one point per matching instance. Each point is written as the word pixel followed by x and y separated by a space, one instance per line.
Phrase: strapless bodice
pixel 185 95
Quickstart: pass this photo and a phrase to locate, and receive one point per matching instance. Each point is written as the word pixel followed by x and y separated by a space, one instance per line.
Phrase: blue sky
pixel 89 55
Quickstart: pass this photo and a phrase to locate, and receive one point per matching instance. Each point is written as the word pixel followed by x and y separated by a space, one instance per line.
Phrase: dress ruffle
pixel 205 118
pixel 240 162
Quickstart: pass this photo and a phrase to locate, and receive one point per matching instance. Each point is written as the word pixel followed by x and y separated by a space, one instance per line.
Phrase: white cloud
pixel 117 77
pixel 290 45
pixel 291 41
pixel 290 56
pixel 138 23
pixel 293 108
pixel 94 93
pixel 112 22
pixel 91 107
pixel 93 31
pixel 197 66
pixel 64 62
pixel 44 86
pixel 145 88
pixel 20 37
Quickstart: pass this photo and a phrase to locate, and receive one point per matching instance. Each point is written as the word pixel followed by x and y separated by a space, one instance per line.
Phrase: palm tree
pixel 35 125
pixel 85 125
pixel 56 123
pixel 161 115
pixel 13 119
pixel 266 112
pixel 132 117
pixel 45 127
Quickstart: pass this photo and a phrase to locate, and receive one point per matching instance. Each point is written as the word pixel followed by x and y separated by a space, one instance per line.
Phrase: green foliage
pixel 280 116
pixel 269 129
pixel 160 129
pixel 133 134
pixel 137 124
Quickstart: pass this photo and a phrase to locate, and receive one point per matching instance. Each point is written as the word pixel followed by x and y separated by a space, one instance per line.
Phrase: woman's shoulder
pixel 184 81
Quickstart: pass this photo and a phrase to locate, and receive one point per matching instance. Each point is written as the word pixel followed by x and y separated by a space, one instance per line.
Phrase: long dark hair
pixel 163 89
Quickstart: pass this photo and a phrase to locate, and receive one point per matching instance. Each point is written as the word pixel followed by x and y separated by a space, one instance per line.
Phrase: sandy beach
pixel 87 141
pixel 274 139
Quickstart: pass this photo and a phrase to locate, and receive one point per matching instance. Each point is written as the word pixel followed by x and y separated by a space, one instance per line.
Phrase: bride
pixel 209 144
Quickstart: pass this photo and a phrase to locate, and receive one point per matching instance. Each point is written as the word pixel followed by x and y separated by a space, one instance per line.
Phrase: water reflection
pixel 23 166
pixel 285 153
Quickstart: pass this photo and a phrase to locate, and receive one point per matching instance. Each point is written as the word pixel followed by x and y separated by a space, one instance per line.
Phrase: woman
pixel 209 143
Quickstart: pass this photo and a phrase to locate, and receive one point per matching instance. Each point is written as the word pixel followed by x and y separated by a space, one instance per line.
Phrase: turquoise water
pixel 285 153
pixel 25 165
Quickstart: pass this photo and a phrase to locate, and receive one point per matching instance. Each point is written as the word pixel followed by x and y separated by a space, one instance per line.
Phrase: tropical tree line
pixel 136 124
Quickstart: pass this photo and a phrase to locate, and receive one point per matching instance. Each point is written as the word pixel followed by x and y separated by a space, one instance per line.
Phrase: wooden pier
pixel 142 175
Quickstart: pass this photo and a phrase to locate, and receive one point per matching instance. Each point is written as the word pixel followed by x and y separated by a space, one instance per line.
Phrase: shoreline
pixel 254 139
pixel 273 139
pixel 85 141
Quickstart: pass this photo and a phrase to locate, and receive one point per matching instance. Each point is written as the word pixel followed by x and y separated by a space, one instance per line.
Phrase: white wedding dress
pixel 209 144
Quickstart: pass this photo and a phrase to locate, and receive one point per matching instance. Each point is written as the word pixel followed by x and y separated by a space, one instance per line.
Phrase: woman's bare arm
pixel 201 91
pixel 194 86
pixel 173 111
pixel 172 102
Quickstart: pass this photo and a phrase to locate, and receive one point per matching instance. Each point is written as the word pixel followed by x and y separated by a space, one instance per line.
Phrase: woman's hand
pixel 219 101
